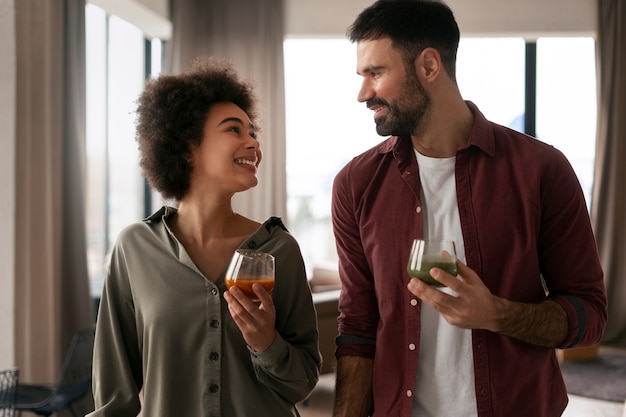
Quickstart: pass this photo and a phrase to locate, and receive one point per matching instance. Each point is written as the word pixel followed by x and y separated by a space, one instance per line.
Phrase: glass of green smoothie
pixel 427 254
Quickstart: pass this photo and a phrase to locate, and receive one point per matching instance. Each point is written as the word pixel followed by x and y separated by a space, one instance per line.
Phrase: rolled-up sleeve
pixel 568 256
pixel 358 310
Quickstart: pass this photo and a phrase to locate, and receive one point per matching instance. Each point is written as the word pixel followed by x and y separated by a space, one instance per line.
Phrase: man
pixel 529 275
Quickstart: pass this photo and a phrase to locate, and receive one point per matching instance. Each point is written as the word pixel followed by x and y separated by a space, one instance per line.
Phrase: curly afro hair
pixel 171 113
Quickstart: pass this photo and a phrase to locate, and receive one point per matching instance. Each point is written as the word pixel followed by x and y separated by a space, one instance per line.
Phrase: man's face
pixel 396 95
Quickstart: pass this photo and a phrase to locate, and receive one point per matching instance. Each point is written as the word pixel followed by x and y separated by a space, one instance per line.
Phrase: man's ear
pixel 428 64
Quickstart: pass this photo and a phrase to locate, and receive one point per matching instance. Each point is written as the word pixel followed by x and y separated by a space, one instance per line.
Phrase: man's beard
pixel 405 114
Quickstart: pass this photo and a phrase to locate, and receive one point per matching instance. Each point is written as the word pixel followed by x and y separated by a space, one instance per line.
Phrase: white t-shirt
pixel 445 378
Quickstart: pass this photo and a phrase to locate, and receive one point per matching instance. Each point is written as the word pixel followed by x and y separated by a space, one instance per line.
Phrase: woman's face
pixel 229 154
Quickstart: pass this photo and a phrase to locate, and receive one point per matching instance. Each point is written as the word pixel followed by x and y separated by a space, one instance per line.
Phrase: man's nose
pixel 365 93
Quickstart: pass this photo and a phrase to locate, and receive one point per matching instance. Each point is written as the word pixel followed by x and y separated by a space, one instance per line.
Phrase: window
pixel 326 126
pixel 490 73
pixel 566 102
pixel 117 58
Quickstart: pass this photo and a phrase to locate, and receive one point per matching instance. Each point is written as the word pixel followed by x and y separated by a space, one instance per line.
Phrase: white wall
pixel 527 18
pixel 7 185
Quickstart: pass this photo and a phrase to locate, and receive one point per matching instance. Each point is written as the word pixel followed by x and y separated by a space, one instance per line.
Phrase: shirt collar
pixel 481 135
pixel 162 213
pixel 260 236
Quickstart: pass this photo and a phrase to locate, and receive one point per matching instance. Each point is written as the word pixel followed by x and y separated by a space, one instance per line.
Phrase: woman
pixel 167 324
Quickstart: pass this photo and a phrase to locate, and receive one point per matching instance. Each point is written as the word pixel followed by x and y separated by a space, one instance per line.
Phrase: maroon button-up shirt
pixel 523 217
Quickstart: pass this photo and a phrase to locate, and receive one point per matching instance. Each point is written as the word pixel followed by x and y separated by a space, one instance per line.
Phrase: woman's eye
pixel 234 129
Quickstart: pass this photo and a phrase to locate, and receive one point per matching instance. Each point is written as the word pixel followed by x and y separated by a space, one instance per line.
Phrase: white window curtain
pixel 52 298
pixel 250 34
pixel 609 194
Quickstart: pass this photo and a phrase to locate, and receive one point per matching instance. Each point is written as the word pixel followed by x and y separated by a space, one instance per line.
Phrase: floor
pixel 320 403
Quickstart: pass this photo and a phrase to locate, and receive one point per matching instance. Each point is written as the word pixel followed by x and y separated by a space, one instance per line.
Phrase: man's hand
pixel 475 307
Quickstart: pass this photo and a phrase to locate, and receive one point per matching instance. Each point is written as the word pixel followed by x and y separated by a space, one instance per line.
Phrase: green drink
pixel 428 254
pixel 423 272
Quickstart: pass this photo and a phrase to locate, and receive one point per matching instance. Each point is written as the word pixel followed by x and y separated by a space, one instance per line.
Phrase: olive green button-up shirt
pixel 164 328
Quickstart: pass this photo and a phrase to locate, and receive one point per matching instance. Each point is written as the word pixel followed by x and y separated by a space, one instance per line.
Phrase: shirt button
pixel 214 356
pixel 215 324
pixel 251 244
pixel 418 209
pixel 214 291
pixel 411 346
pixel 214 388
pixel 409 393
pixel 413 302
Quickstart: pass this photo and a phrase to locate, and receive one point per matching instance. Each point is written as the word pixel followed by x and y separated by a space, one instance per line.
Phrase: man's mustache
pixel 374 101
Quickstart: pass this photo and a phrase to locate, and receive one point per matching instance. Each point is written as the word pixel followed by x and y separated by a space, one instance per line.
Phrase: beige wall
pixel 7 184
pixel 330 18
pixel 528 18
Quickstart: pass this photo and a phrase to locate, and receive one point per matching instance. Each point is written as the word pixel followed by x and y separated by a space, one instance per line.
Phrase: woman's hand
pixel 256 321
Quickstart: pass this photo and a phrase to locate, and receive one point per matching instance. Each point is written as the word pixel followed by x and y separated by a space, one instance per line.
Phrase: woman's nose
pixel 252 142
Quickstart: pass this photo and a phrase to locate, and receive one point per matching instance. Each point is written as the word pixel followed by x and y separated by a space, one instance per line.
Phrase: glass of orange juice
pixel 248 267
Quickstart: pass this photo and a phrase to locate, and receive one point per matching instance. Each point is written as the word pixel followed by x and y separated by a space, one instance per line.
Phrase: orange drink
pixel 245 284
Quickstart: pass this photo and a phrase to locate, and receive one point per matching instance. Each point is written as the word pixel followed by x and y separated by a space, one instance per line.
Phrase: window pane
pixel 566 102
pixel 491 74
pixel 156 53
pixel 95 23
pixel 126 78
pixel 156 200
pixel 115 76
pixel 326 127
